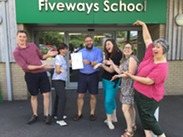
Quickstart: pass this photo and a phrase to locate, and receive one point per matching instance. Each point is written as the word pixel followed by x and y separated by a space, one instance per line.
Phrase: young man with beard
pixel 88 77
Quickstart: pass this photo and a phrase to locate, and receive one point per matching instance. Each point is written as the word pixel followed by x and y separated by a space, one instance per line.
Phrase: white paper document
pixel 77 60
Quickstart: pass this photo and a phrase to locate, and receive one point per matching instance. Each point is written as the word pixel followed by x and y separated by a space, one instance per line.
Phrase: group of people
pixel 141 82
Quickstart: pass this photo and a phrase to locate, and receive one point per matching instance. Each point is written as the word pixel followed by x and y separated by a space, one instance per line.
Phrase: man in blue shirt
pixel 88 77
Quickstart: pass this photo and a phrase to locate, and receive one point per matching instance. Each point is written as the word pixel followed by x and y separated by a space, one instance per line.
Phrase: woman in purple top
pixel 149 81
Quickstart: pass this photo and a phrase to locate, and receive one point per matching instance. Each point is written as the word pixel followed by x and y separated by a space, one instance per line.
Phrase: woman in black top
pixel 110 87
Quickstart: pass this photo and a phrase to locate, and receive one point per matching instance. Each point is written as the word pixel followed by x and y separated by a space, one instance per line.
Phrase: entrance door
pixel 75 42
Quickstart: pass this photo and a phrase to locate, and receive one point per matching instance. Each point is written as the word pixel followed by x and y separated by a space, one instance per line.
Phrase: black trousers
pixel 60 99
pixel 146 108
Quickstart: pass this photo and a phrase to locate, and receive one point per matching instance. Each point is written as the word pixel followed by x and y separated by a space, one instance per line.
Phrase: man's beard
pixel 89 48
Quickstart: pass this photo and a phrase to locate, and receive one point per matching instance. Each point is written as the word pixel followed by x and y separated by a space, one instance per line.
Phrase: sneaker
pixel 110 125
pixel 47 119
pixel 77 117
pixel 33 119
pixel 61 123
pixel 92 117
pixel 64 117
pixel 114 121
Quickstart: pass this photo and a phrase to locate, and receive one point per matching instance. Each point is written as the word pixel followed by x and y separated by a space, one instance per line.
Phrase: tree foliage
pixel 50 38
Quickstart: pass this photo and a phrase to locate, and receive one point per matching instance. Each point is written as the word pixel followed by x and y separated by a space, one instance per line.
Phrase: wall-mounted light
pixel 179 19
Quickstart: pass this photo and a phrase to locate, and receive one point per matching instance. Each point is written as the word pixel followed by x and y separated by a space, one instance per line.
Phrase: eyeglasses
pixel 127 47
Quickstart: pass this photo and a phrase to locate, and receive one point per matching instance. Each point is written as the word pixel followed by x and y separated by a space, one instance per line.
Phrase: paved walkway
pixel 14 115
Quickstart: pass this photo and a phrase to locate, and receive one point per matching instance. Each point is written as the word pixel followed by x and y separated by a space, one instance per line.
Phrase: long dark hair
pixel 114 50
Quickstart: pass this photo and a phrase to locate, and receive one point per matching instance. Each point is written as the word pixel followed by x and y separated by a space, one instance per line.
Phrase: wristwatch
pixel 90 63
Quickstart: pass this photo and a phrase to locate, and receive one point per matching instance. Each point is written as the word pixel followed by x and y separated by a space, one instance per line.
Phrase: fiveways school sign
pixel 45 5
pixel 90 11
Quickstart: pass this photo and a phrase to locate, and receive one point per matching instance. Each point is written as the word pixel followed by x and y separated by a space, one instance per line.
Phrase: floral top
pixel 127 91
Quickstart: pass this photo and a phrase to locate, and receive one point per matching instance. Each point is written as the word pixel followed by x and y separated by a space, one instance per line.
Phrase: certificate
pixel 77 60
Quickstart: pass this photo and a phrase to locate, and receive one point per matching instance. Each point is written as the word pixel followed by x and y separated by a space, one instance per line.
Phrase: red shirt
pixel 157 72
pixel 28 56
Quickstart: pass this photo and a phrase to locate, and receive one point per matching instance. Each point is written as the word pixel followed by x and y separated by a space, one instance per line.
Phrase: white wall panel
pixel 174 33
pixel 11 30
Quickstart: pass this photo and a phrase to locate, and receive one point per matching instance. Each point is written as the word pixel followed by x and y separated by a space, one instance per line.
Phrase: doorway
pixel 74 39
pixel 75 42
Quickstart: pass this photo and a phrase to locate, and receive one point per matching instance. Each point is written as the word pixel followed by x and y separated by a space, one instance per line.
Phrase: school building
pixel 51 21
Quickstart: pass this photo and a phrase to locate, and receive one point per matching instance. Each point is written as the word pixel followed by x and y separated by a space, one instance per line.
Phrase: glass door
pixel 74 39
pixel 75 42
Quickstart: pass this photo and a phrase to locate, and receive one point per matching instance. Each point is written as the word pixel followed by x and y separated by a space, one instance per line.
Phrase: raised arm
pixel 145 32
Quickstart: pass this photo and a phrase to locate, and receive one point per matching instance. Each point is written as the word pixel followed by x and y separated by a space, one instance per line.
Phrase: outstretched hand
pixel 107 62
pixel 111 62
pixel 128 74
pixel 114 77
pixel 48 66
pixel 97 65
pixel 52 52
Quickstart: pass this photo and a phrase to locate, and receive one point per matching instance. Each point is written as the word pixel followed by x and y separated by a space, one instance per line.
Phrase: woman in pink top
pixel 149 81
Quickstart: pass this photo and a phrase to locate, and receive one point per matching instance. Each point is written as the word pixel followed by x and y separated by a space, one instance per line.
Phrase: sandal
pixel 128 134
